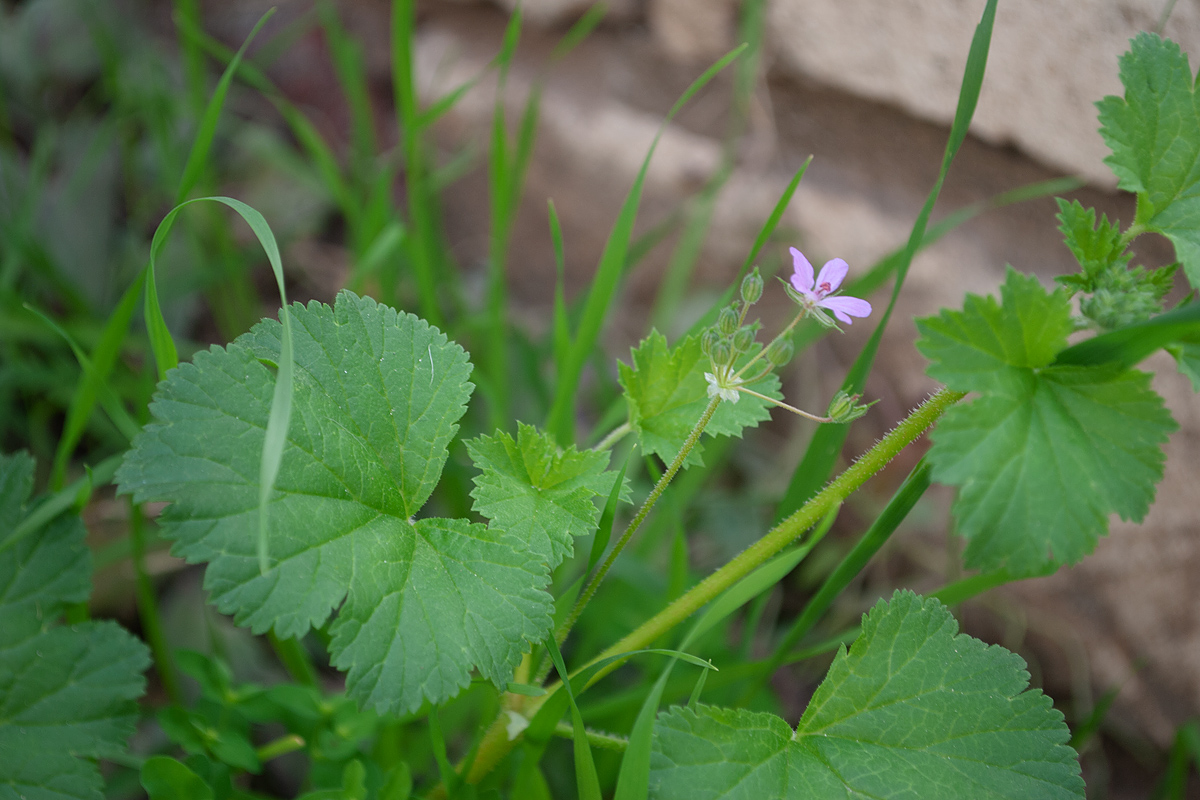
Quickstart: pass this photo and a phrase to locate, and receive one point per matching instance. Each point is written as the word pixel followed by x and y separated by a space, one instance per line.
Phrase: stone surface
pixel 1050 61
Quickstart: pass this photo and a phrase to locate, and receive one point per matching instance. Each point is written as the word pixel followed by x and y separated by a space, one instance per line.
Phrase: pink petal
pixel 802 278
pixel 841 306
pixel 833 273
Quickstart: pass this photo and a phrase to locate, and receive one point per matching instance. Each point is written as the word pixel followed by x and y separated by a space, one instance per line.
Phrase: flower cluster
pixel 731 337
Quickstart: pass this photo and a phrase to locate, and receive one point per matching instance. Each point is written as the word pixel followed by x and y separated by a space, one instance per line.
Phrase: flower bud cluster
pixel 729 338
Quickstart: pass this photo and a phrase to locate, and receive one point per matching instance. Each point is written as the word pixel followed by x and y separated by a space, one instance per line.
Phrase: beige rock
pixel 689 31
pixel 1050 61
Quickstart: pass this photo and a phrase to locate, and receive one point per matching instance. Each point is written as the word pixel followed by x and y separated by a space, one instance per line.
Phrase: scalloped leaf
pixel 531 488
pixel 1154 134
pixel 1037 433
pixel 667 393
pixel 913 710
pixel 378 395
pixel 67 694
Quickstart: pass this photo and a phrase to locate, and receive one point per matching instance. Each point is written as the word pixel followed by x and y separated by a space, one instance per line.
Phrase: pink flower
pixel 817 292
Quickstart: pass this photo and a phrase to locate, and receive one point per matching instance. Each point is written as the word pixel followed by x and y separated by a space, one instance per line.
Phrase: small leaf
pixel 1187 360
pixel 913 710
pixel 667 393
pixel 165 778
pixel 67 694
pixel 1038 433
pixel 377 398
pixel 1154 135
pixel 540 494
pixel 1095 247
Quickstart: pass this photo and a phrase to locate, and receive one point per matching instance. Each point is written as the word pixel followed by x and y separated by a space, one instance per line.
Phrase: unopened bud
pixel 727 322
pixel 752 287
pixel 845 407
pixel 743 338
pixel 722 352
pixel 779 352
pixel 707 341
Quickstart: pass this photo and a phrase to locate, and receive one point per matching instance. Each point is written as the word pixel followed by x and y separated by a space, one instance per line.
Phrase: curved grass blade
pixel 198 157
pixel 608 274
pixel 281 402
pixel 585 768
pixel 826 444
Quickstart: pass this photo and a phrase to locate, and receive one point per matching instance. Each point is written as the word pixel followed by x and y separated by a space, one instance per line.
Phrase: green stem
pixel 785 406
pixel 601 739
pixel 636 522
pixel 763 352
pixel 289 743
pixel 148 606
pixel 616 435
pixel 295 659
pixel 496 744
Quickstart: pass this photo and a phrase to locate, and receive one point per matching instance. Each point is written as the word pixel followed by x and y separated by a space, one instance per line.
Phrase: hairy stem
pixel 496 744
pixel 636 522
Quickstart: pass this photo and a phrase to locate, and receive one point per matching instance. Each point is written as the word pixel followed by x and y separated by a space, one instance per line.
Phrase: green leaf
pixel 667 393
pixel 1187 360
pixel 1037 434
pixel 1154 135
pixel 67 694
pixel 537 492
pixel 165 778
pixel 913 710
pixel 1095 247
pixel 377 398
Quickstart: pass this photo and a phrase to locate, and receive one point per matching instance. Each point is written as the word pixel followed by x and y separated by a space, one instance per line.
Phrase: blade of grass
pixel 147 604
pixel 504 188
pixel 1129 345
pixel 585 768
pixel 93 383
pixel 760 241
pixel 279 417
pixel 579 31
pixel 562 325
pixel 197 159
pixel 808 331
pixel 605 528
pixel 422 240
pixel 60 501
pixel 561 422
pixel 682 264
pixel 818 461
pixel 1090 726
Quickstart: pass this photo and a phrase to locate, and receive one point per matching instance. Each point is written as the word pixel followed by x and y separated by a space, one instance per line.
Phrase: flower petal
pixel 833 273
pixel 802 278
pixel 845 307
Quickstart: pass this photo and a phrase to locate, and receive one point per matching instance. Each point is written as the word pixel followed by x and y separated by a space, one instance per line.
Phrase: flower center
pixel 824 288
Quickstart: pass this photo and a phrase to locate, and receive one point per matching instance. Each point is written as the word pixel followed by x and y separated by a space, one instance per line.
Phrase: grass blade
pixel 760 241
pixel 814 469
pixel 422 240
pixel 197 159
pixel 1129 345
pixel 561 422
pixel 585 768
pixel 562 325
pixel 281 402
